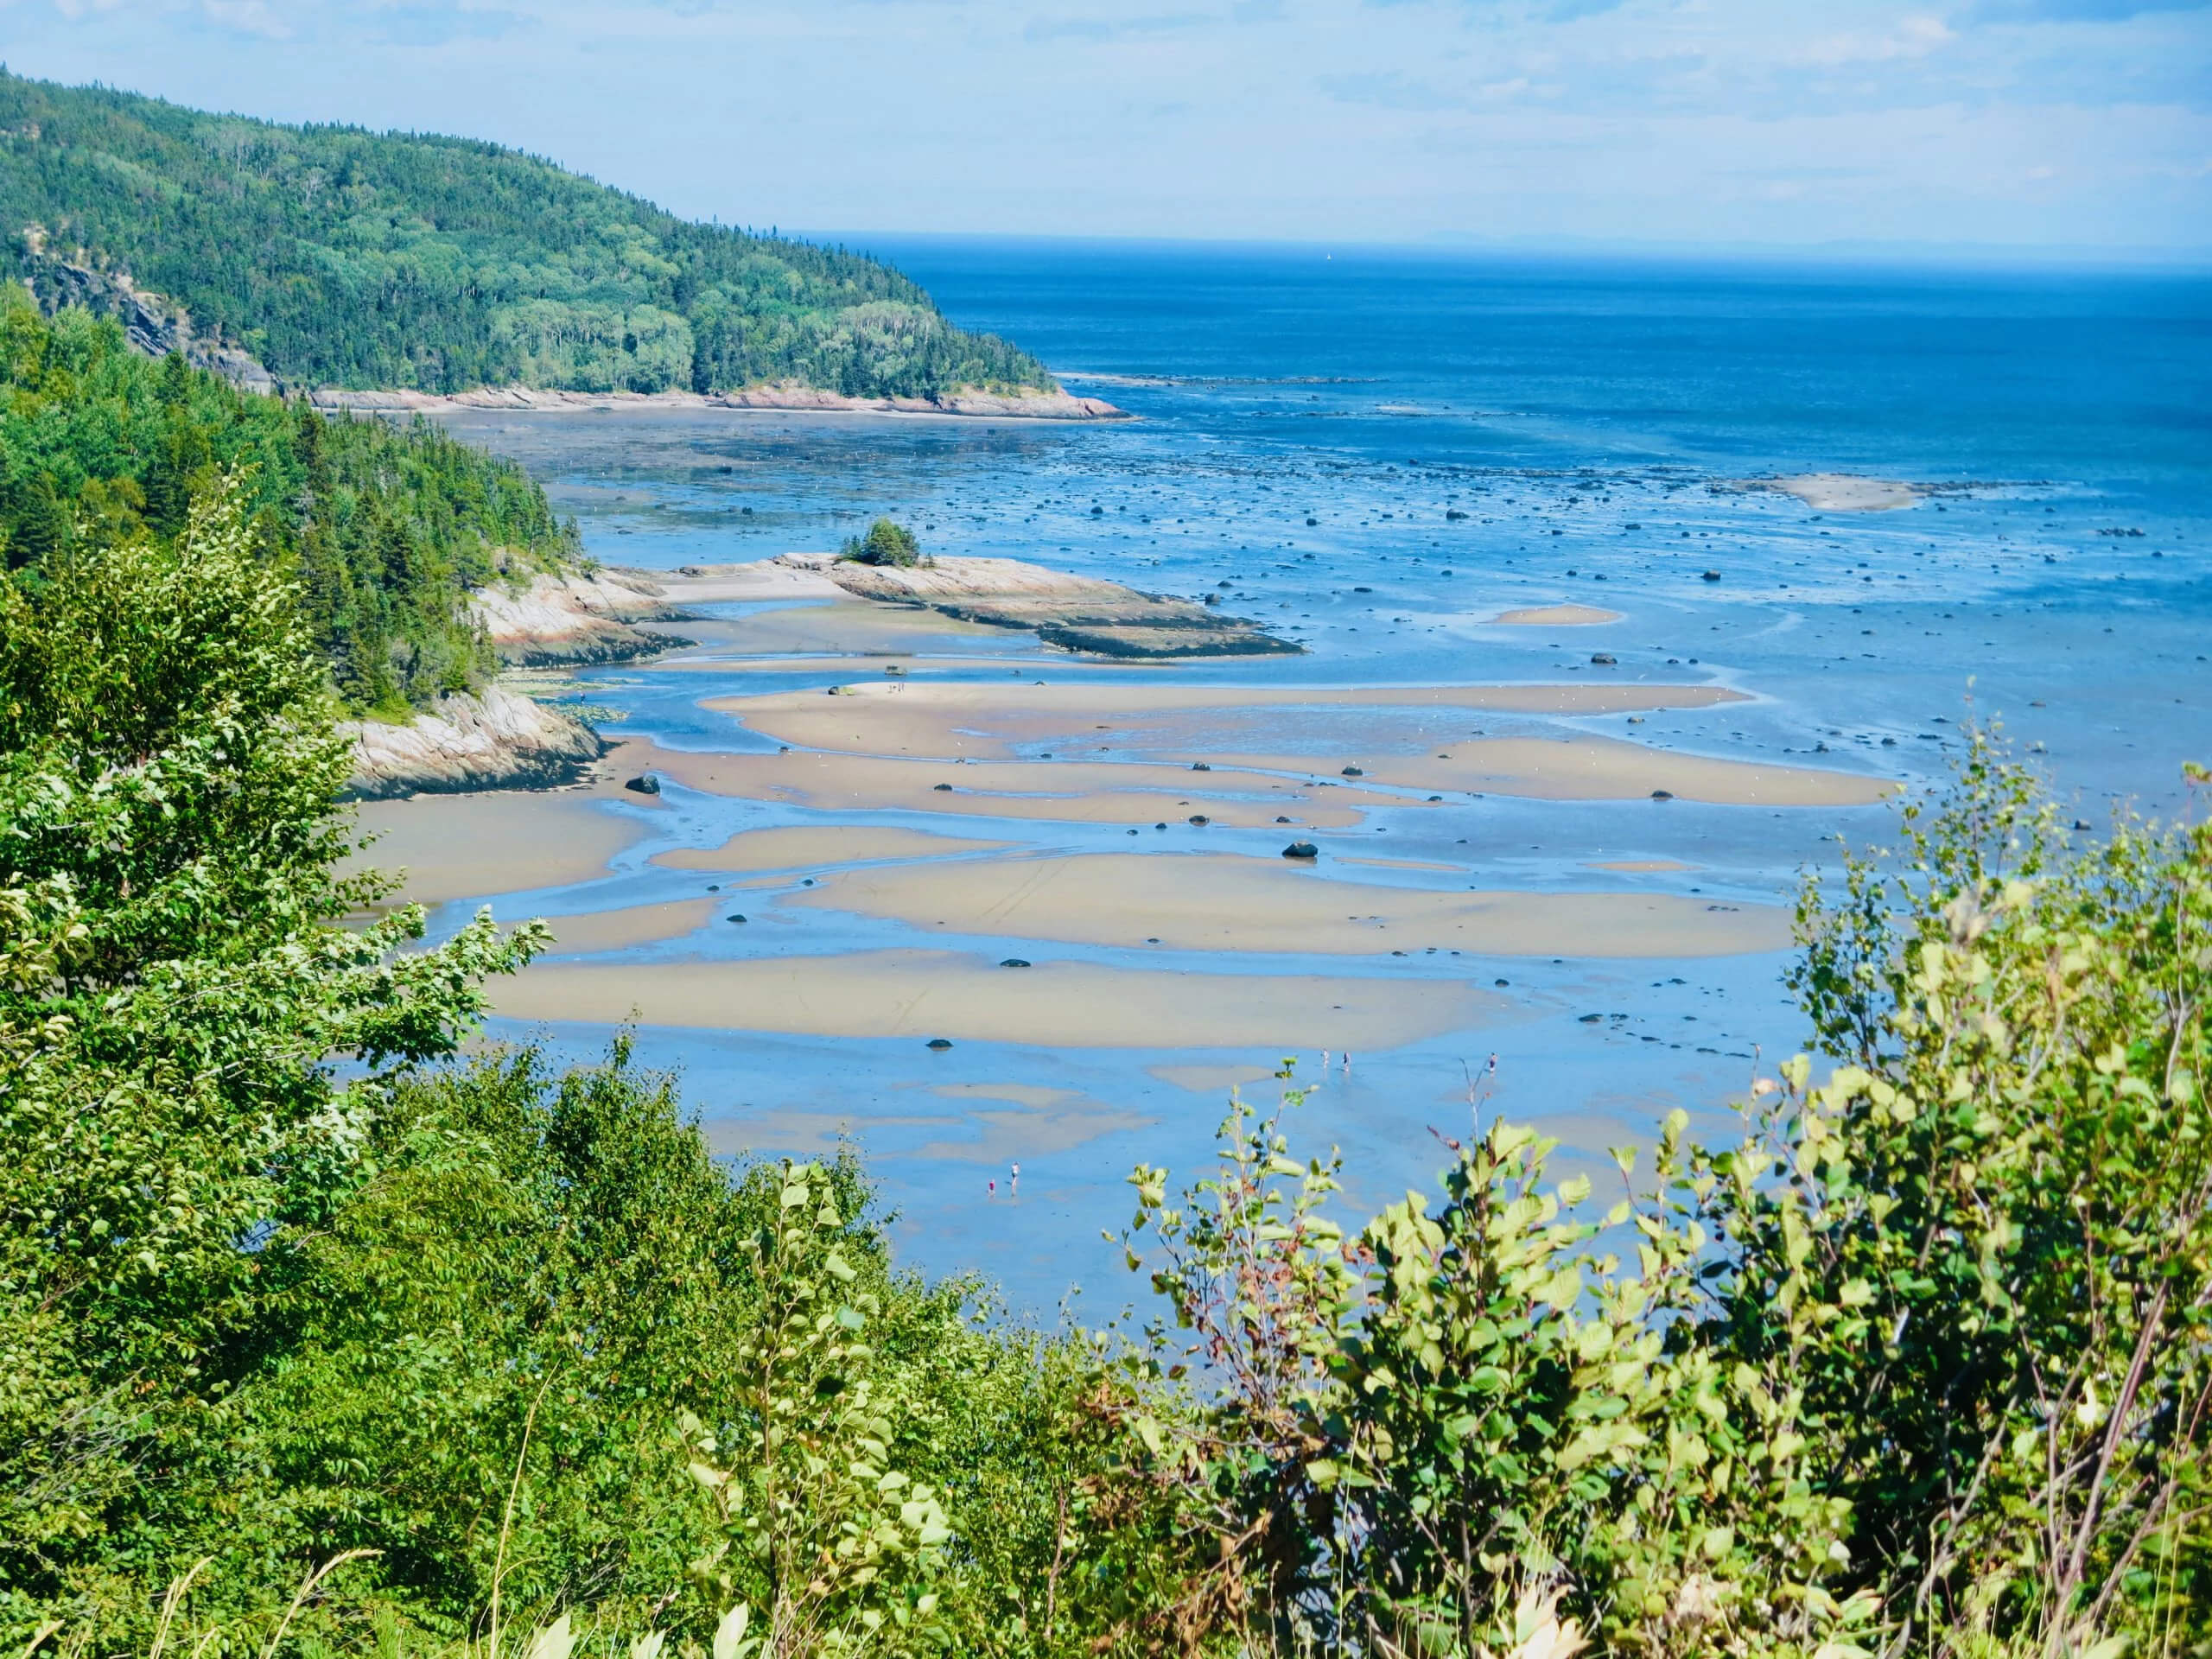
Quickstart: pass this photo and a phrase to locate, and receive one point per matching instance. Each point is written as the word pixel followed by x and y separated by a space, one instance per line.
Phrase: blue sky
pixel 2070 124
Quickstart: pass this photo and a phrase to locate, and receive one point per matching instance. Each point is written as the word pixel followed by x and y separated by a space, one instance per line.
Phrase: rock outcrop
pixel 1080 613
pixel 153 324
pixel 496 740
pixel 560 621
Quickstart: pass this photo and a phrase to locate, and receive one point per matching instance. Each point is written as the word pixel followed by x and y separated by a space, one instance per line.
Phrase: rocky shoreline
pixel 567 620
pixel 494 739
pixel 971 402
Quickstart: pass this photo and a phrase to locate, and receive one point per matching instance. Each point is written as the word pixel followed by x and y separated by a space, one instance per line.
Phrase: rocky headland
pixel 1022 403
pixel 560 621
pixel 494 739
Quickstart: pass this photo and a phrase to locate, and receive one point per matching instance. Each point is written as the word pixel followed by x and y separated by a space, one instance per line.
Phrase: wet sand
pixel 949 720
pixel 1070 792
pixel 795 848
pixel 1226 902
pixel 1556 616
pixel 460 846
pixel 618 930
pixel 1601 769
pixel 1211 1079
pixel 926 994
pixel 1847 492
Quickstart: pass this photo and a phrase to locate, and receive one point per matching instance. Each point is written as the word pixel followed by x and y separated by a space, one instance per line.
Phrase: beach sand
pixel 926 994
pixel 1226 902
pixel 1211 1079
pixel 1073 792
pixel 460 846
pixel 1556 616
pixel 618 930
pixel 795 847
pixel 986 722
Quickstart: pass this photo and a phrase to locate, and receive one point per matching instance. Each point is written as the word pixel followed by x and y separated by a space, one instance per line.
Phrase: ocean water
pixel 1376 453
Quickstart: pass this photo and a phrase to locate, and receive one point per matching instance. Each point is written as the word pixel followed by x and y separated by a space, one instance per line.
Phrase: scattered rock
pixel 733 919
pixel 1713 575
pixel 1200 819
pixel 940 1042
pixel 1301 849
pixel 1662 794
pixel 1200 765
pixel 643 784
pixel 1013 961
pixel 1602 659
pixel 1354 772
pixel 946 788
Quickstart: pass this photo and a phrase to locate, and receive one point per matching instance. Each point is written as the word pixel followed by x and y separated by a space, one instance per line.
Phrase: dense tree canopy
pixel 345 258
pixel 386 528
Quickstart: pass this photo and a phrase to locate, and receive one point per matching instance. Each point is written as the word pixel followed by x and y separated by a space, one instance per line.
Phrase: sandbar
pixel 1070 792
pixel 926 994
pixel 1847 492
pixel 1640 866
pixel 1223 901
pixel 1601 769
pixel 804 847
pixel 1556 616
pixel 842 627
pixel 618 930
pixel 953 720
pixel 460 846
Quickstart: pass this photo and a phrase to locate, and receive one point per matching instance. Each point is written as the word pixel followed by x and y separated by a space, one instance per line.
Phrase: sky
pixel 2080 125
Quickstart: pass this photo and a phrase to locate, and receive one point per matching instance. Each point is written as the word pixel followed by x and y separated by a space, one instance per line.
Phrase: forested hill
pixel 386 528
pixel 339 256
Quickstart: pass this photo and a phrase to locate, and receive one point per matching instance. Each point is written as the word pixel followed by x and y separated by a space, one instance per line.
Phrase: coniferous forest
pixel 339 256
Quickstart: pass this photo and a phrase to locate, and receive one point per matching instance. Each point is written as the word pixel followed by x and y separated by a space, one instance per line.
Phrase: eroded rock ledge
pixel 1081 614
pixel 558 621
pixel 494 739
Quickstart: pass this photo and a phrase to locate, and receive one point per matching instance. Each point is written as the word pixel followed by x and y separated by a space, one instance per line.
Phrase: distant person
pixel 1014 1185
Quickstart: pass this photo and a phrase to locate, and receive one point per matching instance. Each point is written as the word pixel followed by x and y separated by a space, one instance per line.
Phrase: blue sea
pixel 1448 437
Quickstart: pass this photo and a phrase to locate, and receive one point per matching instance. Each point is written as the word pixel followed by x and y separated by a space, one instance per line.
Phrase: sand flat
pixel 923 994
pixel 1640 866
pixel 1599 769
pixel 1554 616
pixel 948 720
pixel 618 930
pixel 804 847
pixel 1065 793
pixel 844 626
pixel 1224 902
pixel 460 846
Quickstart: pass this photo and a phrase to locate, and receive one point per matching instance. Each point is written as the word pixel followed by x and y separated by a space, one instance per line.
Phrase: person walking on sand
pixel 1347 1062
pixel 1014 1186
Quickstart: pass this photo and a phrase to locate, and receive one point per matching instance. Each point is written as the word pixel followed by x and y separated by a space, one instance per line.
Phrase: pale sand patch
pixel 618 930
pixel 923 994
pixel 701 584
pixel 1599 769
pixel 458 845
pixel 1065 793
pixel 1848 492
pixel 705 662
pixel 1221 902
pixel 1554 616
pixel 804 847
pixel 1210 1079
pixel 985 722
pixel 1640 866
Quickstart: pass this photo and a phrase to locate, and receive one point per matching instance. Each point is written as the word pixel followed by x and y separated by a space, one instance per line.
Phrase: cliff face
pixel 153 324
pixel 495 740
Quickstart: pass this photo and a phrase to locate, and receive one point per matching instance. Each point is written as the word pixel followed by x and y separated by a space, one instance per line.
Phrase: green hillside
pixel 339 256
pixel 386 528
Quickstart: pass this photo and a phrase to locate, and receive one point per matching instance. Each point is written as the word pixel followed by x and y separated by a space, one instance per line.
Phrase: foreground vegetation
pixel 344 258
pixel 385 529
pixel 318 1340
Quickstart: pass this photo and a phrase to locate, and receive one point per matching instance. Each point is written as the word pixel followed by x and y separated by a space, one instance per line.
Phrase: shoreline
pixel 965 403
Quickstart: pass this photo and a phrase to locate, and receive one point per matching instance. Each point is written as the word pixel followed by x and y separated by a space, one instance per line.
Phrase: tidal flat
pixel 1574 703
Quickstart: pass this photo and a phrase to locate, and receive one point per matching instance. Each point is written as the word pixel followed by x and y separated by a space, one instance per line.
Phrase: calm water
pixel 1588 421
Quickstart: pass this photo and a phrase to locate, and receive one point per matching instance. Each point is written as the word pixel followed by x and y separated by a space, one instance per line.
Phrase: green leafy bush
pixel 1918 1365
pixel 885 543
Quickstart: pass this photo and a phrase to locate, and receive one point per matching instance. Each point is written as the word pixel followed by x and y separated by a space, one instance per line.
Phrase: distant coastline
pixel 970 403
